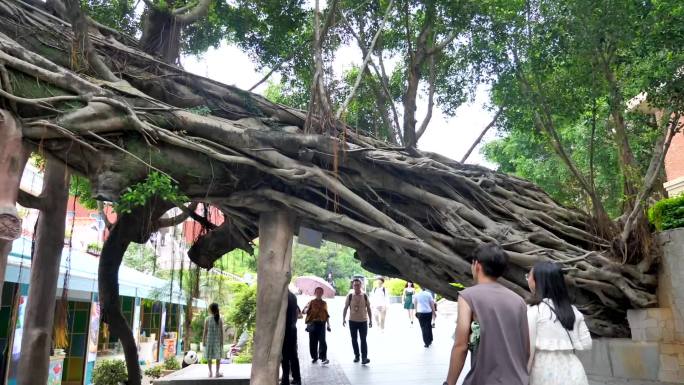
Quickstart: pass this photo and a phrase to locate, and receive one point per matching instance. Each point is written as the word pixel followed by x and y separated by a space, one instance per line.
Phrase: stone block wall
pixel 671 279
pixel 656 349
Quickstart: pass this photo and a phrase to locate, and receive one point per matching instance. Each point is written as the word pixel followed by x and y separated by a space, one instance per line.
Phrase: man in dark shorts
pixel 360 319
pixel 492 325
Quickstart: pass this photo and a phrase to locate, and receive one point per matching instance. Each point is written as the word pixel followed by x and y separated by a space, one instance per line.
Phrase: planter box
pixel 394 299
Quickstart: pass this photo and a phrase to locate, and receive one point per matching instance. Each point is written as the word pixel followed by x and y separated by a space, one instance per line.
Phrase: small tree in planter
pixel 154 372
pixel 171 363
pixel 110 372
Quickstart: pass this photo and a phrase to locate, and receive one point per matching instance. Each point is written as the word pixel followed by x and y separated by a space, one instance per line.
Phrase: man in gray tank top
pixel 492 325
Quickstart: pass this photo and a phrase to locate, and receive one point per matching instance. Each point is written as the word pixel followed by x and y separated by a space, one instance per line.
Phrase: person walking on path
pixel 317 317
pixel 492 324
pixel 360 319
pixel 407 300
pixel 557 329
pixel 213 338
pixel 426 313
pixel 290 361
pixel 380 301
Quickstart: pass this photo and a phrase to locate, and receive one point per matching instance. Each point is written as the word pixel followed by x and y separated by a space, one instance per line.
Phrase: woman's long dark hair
pixel 551 285
pixel 214 309
pixel 407 284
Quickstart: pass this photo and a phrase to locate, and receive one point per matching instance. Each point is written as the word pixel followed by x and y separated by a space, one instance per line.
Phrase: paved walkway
pixel 397 355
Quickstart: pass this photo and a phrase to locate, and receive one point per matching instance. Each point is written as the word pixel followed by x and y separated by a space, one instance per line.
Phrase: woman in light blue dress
pixel 213 338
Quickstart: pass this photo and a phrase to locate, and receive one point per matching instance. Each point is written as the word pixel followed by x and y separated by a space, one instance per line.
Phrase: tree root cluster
pixel 410 214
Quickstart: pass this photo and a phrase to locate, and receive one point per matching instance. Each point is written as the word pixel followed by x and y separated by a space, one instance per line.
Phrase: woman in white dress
pixel 557 329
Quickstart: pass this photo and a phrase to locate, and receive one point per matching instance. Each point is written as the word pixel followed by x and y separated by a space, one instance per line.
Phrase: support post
pixel 13 158
pixel 39 318
pixel 273 275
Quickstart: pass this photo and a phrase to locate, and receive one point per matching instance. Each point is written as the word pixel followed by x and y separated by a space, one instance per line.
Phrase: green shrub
pixel 154 371
pixel 172 363
pixel 245 356
pixel 197 326
pixel 109 372
pixel 342 285
pixel 242 313
pixel 395 286
pixel 667 213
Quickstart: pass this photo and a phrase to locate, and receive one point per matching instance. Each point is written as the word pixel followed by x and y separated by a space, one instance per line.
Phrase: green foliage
pixel 575 66
pixel 395 286
pixel 329 257
pixel 668 213
pixel 154 371
pixel 117 14
pixel 245 356
pixel 172 363
pixel 139 257
pixel 80 187
pixel 342 285
pixel 109 372
pixel 156 184
pixel 237 262
pixel 457 285
pixel 242 313
pixel 197 326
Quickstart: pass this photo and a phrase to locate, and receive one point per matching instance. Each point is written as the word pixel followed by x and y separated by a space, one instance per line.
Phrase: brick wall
pixel 674 161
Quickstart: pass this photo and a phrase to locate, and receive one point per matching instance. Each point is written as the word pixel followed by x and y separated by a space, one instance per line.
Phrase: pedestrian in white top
pixel 380 301
pixel 557 329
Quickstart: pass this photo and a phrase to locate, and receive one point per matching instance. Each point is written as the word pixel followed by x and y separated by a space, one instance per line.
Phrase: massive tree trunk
pixel 39 317
pixel 12 161
pixel 135 226
pixel 274 261
pixel 408 214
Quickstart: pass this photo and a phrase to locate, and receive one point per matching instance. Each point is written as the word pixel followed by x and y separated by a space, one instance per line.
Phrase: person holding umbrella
pixel 317 317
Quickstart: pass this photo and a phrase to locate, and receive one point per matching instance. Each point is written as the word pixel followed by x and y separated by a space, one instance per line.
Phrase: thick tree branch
pixel 197 12
pixel 82 43
pixel 178 219
pixel 437 48
pixel 482 134
pixel 672 127
pixel 431 100
pixel 366 59
pixel 30 201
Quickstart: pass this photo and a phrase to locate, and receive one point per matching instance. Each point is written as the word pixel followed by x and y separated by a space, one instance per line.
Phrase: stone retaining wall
pixel 656 350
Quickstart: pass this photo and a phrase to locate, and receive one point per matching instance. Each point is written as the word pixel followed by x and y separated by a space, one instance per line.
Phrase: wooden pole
pixel 39 318
pixel 12 161
pixel 273 275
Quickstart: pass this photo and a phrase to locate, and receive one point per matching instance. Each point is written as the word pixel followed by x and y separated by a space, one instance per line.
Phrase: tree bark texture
pixel 13 158
pixel 12 162
pixel 39 317
pixel 407 213
pixel 276 229
pixel 135 226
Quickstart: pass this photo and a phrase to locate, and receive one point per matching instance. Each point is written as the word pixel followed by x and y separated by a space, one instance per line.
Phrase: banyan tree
pixel 112 113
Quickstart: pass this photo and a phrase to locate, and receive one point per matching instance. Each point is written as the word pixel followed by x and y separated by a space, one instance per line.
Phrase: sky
pixel 449 136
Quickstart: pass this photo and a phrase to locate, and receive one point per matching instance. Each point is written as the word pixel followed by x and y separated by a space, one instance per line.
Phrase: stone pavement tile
pixel 397 354
pixel 317 374
pixel 600 380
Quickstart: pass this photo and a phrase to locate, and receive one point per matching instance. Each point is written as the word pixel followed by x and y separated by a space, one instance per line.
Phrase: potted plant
pixel 171 364
pixel 154 372
pixel 94 249
pixel 109 372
